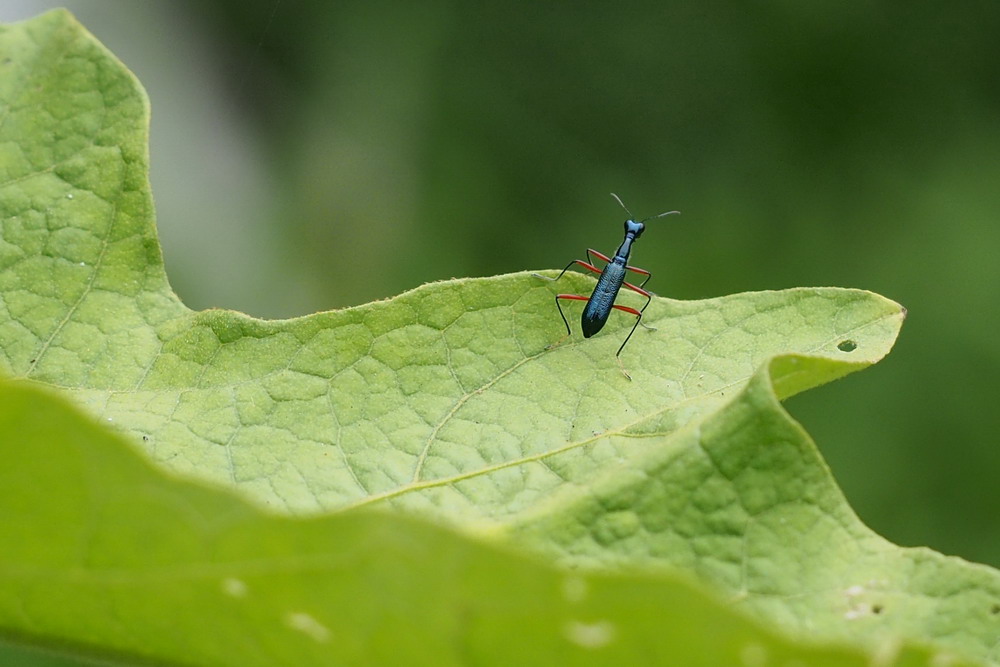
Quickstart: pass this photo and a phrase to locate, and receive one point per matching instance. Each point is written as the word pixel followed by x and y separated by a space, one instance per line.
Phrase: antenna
pixel 662 214
pixel 618 199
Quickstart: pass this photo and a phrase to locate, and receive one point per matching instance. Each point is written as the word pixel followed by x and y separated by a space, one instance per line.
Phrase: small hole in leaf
pixel 847 346
pixel 877 609
pixel 995 609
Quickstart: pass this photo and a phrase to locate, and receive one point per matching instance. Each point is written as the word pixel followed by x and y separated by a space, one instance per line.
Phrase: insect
pixel 602 300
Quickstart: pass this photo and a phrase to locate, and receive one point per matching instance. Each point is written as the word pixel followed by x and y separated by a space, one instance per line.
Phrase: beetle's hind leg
pixel 638 319
pixel 587 265
pixel 571 297
pixel 645 293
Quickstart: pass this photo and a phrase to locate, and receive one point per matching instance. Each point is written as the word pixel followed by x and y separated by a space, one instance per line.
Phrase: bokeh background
pixel 313 155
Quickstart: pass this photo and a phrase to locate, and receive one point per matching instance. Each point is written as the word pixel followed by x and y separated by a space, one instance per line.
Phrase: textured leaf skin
pixel 444 403
pixel 744 500
pixel 133 565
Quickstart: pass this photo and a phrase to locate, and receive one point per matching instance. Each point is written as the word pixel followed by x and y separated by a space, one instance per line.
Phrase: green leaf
pixel 108 557
pixel 743 499
pixel 444 403
pixel 444 398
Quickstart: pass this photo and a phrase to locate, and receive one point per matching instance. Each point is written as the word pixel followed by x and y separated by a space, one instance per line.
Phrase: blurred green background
pixel 314 155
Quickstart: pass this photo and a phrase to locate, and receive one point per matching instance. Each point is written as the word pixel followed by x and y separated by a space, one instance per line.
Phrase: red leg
pixel 649 297
pixel 573 297
pixel 599 255
pixel 627 309
pixel 638 289
pixel 577 297
pixel 642 272
pixel 589 267
pixel 586 265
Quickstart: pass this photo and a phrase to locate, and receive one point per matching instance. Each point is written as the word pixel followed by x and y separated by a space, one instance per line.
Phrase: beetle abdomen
pixel 595 314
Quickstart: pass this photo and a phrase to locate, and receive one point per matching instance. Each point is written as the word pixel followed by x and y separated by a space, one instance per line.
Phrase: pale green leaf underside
pixel 135 564
pixel 444 401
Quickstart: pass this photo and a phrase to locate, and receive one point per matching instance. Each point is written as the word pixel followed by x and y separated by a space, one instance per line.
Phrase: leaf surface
pixel 133 565
pixel 443 398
